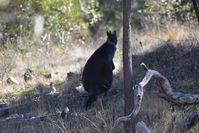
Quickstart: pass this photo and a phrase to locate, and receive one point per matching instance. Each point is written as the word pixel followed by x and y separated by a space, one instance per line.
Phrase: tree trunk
pixel 129 126
pixel 196 9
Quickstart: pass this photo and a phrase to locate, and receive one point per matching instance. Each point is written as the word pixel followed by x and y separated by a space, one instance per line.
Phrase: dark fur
pixel 97 75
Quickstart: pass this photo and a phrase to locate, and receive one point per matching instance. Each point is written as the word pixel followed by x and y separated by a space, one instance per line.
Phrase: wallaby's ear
pixel 108 33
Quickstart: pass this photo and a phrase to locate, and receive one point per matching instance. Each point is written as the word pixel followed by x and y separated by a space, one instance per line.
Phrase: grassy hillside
pixel 173 51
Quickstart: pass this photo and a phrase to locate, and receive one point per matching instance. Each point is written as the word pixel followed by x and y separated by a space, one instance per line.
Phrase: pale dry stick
pixel 142 128
pixel 138 94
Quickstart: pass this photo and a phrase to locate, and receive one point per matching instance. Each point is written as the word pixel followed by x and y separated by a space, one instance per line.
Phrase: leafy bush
pixel 67 16
pixel 59 16
pixel 168 10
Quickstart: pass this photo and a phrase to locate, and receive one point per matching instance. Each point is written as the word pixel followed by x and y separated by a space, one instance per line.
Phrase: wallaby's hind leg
pixel 90 100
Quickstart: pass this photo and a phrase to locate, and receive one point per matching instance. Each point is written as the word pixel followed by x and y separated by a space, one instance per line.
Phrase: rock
pixel 65 113
pixel 71 76
pixel 52 89
pixel 12 80
pixel 49 76
pixel 28 75
pixel 80 89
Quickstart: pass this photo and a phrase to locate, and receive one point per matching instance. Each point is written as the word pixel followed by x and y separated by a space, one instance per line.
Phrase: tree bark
pixel 196 9
pixel 129 126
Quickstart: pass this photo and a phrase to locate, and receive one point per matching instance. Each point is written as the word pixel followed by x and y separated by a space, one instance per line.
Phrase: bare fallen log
pixel 165 91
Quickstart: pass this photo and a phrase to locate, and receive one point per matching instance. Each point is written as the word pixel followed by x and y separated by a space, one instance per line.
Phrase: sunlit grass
pixel 41 71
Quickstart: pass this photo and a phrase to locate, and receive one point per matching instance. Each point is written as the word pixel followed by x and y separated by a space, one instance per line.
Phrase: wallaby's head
pixel 111 37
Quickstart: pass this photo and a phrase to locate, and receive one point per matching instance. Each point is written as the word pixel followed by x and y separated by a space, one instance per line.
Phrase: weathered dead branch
pixel 165 91
pixel 138 94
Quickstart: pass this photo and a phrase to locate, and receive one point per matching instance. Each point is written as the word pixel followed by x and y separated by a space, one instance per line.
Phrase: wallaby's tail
pixel 90 100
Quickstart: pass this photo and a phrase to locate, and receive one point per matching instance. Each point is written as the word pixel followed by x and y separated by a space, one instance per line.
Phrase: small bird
pixel 52 89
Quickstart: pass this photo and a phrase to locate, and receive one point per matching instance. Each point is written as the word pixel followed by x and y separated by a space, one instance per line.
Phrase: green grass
pixel 41 71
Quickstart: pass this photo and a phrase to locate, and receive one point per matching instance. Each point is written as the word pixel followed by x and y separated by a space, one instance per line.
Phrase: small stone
pixel 12 80
pixel 28 75
pixel 49 76
pixel 71 76
pixel 52 89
